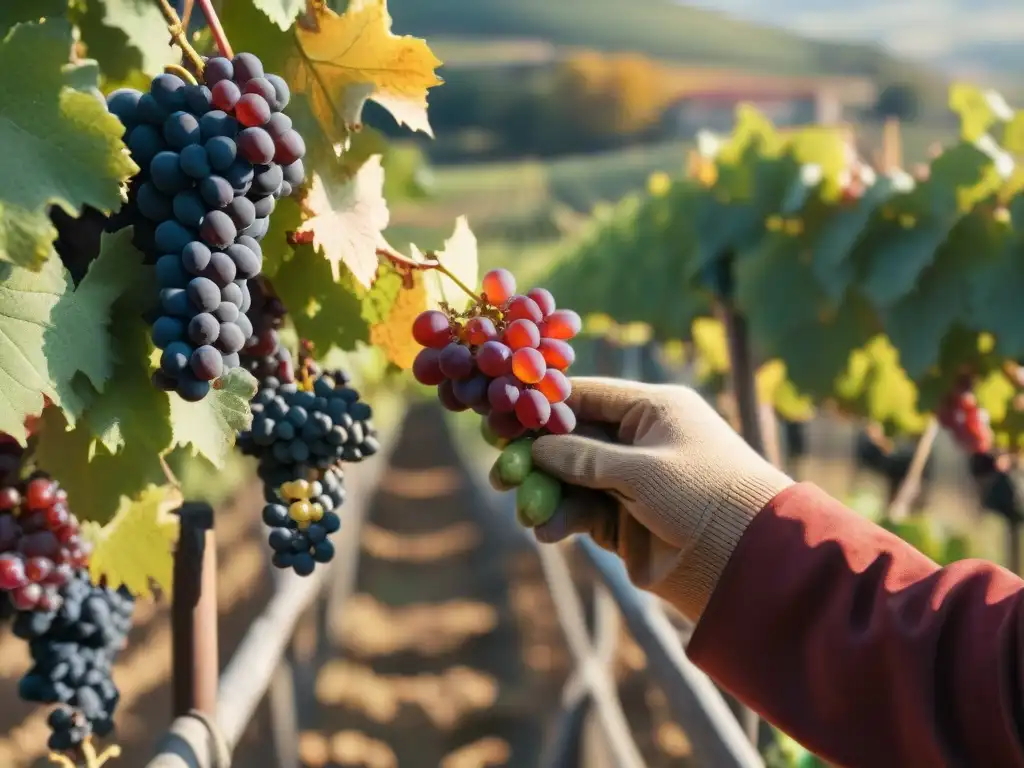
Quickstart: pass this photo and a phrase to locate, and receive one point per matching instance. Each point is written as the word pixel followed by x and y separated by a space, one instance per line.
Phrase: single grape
pixel 279 123
pixel 195 162
pixel 554 386
pixel 197 99
pixel 281 90
pixel 432 329
pixel 289 147
pixel 175 358
pixel 523 308
pixel 247 66
pixel 503 393
pixel 505 425
pixel 12 572
pixel 170 273
pixel 532 409
pixel 204 294
pixel 499 286
pixel 285 190
pixel 171 237
pixel 557 353
pixel 225 95
pixel 204 328
pixel 261 86
pixel 181 129
pixel 168 91
pixel 216 191
pixel 150 112
pixel 195 258
pixel 152 204
pixel 294 173
pixel 253 110
pixel 222 269
pixel 221 152
pixel 123 104
pixel 247 263
pixel 167 330
pixel 240 176
pixel 472 391
pixel 537 499
pixel 144 143
pixel 263 206
pixel 562 420
pixel 232 293
pixel 480 329
pixel 175 302
pixel 259 229
pixel 190 389
pixel 515 462
pixel 426 368
pixel 456 361
pixel 267 179
pixel 446 394
pixel 217 68
pixel 521 334
pixel 231 338
pixel 544 300
pixel 494 358
pixel 256 145
pixel 561 324
pixel 189 208
pixel 166 174
pixel 528 365
pixel 216 122
pixel 245 325
pixel 206 363
pixel 218 230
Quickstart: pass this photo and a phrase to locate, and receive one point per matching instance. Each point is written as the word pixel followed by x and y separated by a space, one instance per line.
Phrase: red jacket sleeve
pixel 863 649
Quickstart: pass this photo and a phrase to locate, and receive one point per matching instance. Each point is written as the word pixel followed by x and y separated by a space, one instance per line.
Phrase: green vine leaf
pixel 17 11
pixel 61 147
pixel 209 426
pixel 281 12
pixel 459 256
pixel 50 332
pixel 125 36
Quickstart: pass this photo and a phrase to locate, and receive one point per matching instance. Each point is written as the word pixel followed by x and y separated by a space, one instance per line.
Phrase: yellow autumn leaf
pixel 358 48
pixel 459 257
pixel 393 336
pixel 346 220
pixel 136 548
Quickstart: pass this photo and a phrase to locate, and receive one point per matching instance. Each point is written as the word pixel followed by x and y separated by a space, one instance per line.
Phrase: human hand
pixel 654 474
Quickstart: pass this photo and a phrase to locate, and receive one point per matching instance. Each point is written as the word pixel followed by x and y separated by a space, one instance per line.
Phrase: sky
pixel 926 29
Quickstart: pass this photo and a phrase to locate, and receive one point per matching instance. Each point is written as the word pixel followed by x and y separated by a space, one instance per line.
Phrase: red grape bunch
pixel 41 546
pixel 966 420
pixel 505 358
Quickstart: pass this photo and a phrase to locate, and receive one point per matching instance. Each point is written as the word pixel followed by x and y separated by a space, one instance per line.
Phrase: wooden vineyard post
pixel 195 662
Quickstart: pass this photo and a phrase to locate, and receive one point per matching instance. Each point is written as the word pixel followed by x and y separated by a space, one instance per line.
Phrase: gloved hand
pixel 655 475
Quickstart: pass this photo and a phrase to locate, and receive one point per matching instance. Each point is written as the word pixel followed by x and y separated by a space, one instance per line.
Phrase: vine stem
pixel 432 262
pixel 911 485
pixel 89 755
pixel 177 30
pixel 216 29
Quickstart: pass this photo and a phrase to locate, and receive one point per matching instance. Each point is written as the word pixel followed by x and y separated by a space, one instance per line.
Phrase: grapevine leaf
pixel 94 478
pixel 995 294
pixel 210 425
pixel 393 334
pixel 16 11
pixel 61 146
pixel 460 258
pixel 974 110
pixel 347 219
pixel 126 35
pixel 357 48
pixel 897 260
pixel 281 12
pixel 378 302
pixel 325 312
pixel 275 246
pixel 50 332
pixel 136 548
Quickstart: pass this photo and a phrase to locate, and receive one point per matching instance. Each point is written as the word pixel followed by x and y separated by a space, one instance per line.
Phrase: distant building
pixel 711 102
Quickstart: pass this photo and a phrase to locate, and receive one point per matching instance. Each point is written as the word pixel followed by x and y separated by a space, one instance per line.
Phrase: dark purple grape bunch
pixel 214 158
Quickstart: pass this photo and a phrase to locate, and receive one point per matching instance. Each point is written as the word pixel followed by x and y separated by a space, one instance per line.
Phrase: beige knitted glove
pixel 662 480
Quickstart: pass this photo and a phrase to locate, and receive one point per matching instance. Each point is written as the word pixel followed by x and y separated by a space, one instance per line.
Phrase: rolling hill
pixel 661 29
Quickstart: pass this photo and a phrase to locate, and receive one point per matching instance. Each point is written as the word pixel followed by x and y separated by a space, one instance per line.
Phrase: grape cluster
pixel 264 355
pixel 41 546
pixel 319 427
pixel 73 650
pixel 301 518
pixel 214 157
pixel 506 361
pixel 966 420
